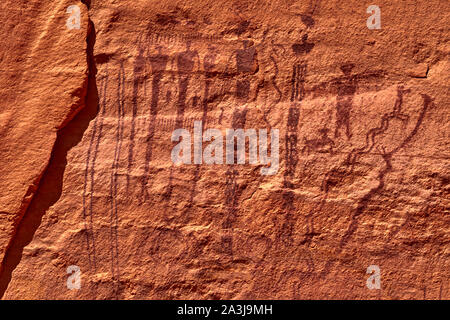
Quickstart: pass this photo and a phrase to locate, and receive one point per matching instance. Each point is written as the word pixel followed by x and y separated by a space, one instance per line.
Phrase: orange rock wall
pixel 87 178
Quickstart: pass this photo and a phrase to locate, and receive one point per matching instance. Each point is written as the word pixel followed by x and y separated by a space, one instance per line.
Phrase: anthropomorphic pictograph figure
pixel 346 88
pixel 209 68
pixel 139 94
pixel 246 65
pixel 158 63
pixel 186 62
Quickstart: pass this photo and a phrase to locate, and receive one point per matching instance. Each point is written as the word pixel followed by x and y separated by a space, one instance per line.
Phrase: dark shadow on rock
pixel 51 184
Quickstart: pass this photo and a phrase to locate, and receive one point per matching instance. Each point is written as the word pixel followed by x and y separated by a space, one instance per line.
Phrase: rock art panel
pixel 362 178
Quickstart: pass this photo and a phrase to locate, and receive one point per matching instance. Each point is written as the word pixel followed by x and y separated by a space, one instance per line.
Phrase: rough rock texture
pixel 43 84
pixel 364 150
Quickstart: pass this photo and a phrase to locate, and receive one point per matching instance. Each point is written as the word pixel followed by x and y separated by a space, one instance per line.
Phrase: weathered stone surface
pixel 43 83
pixel 364 152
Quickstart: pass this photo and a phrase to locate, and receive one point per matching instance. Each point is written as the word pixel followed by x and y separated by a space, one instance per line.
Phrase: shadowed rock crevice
pixel 50 185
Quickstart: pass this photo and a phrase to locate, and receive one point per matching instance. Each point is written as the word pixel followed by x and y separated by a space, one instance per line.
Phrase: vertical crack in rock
pixel 48 188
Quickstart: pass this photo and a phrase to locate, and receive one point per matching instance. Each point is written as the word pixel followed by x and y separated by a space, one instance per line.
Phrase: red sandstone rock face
pixel 43 85
pixel 363 151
